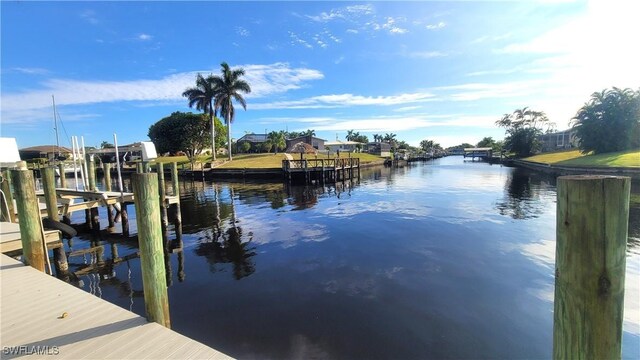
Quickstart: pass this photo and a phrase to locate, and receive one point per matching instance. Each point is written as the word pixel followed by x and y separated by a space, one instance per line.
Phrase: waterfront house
pixel 379 148
pixel 317 143
pixel 254 139
pixel 566 139
pixel 346 146
pixel 49 152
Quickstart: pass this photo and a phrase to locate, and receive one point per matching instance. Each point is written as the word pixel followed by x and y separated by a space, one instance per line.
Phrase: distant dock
pixel 322 170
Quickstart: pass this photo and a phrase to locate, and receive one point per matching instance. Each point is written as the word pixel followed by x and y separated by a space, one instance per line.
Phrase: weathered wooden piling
pixel 106 171
pixel 29 215
pixel 63 179
pixel 8 197
pixel 591 238
pixel 51 200
pixel 164 221
pixel 145 189
pixel 139 168
pixel 177 221
pixel 91 175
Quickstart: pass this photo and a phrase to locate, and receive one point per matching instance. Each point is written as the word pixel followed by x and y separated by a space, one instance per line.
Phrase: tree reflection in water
pixel 228 248
pixel 523 190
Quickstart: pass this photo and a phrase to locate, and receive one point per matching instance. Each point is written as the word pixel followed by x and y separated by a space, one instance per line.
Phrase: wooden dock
pixel 10 238
pixel 77 200
pixel 44 317
pixel 325 170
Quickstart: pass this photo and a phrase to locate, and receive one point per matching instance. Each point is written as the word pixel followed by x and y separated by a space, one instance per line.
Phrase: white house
pixel 346 146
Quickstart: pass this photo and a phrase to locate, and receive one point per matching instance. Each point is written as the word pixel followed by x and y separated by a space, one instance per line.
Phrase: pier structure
pixel 480 153
pixel 323 170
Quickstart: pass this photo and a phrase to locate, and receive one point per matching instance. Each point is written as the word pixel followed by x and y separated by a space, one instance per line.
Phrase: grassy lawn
pixel 629 158
pixel 554 157
pixel 254 161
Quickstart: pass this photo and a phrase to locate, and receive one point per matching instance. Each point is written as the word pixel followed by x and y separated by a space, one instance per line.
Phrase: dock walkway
pixel 32 307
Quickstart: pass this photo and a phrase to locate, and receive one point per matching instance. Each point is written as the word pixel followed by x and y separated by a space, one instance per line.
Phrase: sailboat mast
pixel 55 124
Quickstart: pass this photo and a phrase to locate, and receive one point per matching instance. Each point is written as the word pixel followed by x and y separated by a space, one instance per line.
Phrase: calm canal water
pixel 447 259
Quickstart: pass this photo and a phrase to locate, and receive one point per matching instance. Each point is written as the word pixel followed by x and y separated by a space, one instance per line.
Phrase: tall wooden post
pixel 145 190
pixel 106 170
pixel 8 197
pixel 49 186
pixel 177 221
pixel 591 239
pixel 139 168
pixel 29 214
pixel 91 174
pixel 162 194
pixel 63 179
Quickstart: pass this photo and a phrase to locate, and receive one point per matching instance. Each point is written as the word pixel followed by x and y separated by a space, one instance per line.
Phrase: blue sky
pixel 422 70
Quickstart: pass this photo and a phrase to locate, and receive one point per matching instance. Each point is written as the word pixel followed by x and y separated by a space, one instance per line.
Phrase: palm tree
pixel 310 132
pixel 228 87
pixel 350 135
pixel 277 138
pixel 202 96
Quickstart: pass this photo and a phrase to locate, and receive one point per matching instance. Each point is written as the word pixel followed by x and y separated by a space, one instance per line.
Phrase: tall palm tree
pixel 229 86
pixel 202 96
pixel 350 135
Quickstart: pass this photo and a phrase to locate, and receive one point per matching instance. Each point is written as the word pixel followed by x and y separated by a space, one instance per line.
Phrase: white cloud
pixel 390 25
pixel 407 108
pixel 426 54
pixel 242 31
pixel 144 37
pixel 295 39
pixel 30 71
pixel 338 60
pixel 344 13
pixel 586 54
pixel 89 16
pixel 436 26
pixel 352 31
pixel 345 100
pixel 264 80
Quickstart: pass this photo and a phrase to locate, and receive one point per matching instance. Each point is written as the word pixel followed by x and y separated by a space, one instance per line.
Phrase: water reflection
pixel 523 192
pixel 229 248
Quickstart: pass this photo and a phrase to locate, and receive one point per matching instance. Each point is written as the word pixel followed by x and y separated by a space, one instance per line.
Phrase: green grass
pixel 254 161
pixel 628 158
pixel 554 157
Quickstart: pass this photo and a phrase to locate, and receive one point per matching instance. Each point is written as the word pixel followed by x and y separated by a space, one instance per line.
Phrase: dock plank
pixel 32 304
pixel 10 237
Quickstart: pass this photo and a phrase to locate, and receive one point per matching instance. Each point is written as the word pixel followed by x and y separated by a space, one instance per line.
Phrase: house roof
pixel 255 138
pixel 45 149
pixel 340 142
pixel 304 137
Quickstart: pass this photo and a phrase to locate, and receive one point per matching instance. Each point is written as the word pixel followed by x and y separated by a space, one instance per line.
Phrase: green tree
pixel 202 96
pixel 228 87
pixel 106 145
pixel 609 122
pixel 244 147
pixel 351 134
pixel 181 131
pixel 523 130
pixel 309 132
pixel 266 146
pixel 278 140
